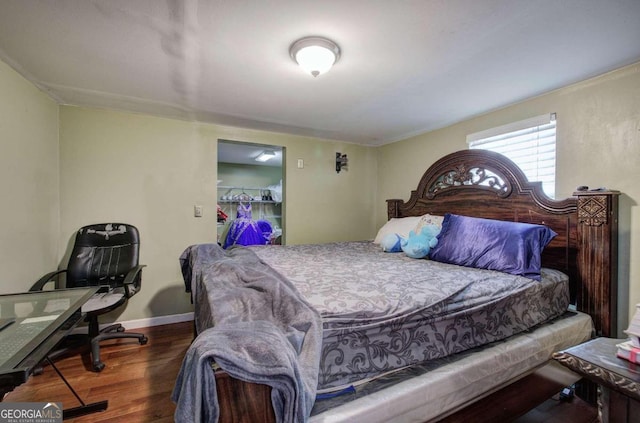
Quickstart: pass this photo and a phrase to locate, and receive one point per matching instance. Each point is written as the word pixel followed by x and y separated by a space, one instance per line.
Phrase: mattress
pixel 435 389
pixel 382 312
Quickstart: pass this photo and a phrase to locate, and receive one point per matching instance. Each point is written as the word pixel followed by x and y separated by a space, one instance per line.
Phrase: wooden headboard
pixel 485 184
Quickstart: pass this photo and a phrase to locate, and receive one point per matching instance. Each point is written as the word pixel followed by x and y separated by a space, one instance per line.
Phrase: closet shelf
pixel 240 187
pixel 235 194
pixel 249 201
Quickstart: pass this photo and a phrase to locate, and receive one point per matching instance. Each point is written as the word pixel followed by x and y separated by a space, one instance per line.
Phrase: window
pixel 530 143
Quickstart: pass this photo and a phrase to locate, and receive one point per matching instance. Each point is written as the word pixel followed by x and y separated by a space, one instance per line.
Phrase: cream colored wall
pixel 150 172
pixel 321 205
pixel 598 144
pixel 28 182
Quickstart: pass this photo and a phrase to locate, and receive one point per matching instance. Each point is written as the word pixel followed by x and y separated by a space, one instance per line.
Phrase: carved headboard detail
pixel 592 211
pixel 486 184
pixel 480 177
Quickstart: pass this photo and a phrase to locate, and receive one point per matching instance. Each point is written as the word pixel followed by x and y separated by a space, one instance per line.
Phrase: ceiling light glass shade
pixel 265 155
pixel 315 55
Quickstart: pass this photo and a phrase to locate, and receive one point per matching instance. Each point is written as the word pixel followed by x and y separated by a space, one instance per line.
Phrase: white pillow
pixel 401 226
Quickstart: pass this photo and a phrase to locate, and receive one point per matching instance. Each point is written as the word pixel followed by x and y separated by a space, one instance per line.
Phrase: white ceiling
pixel 407 67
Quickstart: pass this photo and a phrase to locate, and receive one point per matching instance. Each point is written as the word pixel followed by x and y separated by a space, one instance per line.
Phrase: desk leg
pixel 82 409
pixel 70 413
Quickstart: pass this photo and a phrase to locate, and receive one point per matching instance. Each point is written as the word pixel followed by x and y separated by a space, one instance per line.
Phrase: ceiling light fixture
pixel 315 55
pixel 266 155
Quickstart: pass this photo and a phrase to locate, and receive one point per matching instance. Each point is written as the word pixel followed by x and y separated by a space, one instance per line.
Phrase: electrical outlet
pixel 300 163
pixel 197 211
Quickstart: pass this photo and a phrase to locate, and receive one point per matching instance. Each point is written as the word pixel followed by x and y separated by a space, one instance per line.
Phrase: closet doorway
pixel 250 193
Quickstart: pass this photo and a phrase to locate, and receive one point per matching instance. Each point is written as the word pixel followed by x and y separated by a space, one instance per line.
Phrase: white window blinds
pixel 530 143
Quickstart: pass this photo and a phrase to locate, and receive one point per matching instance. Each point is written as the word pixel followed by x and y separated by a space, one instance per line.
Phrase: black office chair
pixel 103 255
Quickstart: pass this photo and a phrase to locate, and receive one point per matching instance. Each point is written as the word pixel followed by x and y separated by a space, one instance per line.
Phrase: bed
pixel 427 352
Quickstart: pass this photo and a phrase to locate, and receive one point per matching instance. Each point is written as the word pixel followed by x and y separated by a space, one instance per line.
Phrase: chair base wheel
pixel 98 366
pixel 144 340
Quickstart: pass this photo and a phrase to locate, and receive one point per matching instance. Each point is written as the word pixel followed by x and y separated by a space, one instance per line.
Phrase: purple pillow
pixel 508 247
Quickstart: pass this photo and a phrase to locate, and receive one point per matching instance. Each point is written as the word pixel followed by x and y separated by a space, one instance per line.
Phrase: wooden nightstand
pixel 618 380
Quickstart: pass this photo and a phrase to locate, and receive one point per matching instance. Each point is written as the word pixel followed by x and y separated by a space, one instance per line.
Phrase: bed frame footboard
pixel 242 402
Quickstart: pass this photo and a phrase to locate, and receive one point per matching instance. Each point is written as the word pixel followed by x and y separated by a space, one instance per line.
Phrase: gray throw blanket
pixel 263 332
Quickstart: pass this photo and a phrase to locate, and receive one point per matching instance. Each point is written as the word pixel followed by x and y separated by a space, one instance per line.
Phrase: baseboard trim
pixel 157 321
pixel 142 323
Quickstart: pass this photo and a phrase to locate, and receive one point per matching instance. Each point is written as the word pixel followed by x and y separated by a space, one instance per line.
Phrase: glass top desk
pixel 31 324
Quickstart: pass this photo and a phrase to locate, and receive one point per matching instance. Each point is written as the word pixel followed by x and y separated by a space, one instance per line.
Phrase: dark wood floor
pixel 138 381
pixel 556 411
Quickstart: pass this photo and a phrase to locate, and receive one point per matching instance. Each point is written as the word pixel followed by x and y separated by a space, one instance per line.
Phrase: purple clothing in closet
pixel 246 231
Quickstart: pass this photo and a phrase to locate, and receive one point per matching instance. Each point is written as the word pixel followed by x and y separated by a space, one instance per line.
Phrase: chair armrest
pixel 132 281
pixel 45 279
